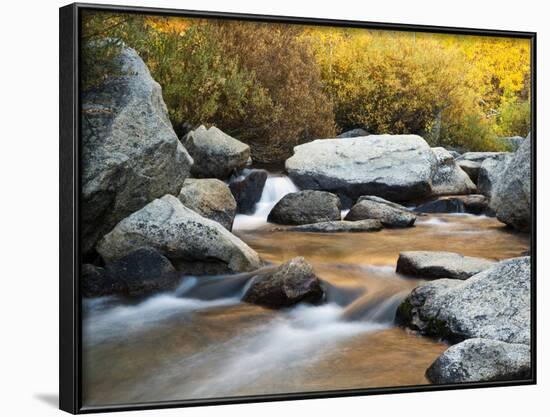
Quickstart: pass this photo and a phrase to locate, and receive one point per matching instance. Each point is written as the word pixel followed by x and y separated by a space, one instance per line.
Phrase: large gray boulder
pixel 511 198
pixel 494 304
pixel 292 282
pixel 376 208
pixel 338 226
pixel 481 360
pixel 490 172
pixel 395 167
pixel 305 207
pixel 130 153
pixel 448 177
pixel 247 188
pixel 211 198
pixel 194 244
pixel 215 154
pixel 436 264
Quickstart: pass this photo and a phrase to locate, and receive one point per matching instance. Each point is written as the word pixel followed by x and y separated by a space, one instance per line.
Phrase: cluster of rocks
pixel 145 221
pixel 403 168
pixel 320 211
pixel 141 213
pixel 482 307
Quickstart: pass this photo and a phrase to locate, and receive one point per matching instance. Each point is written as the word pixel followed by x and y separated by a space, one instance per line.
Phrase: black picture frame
pixel 70 366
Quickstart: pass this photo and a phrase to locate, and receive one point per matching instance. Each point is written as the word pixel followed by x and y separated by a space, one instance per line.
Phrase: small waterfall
pixel 275 188
pixel 378 307
pixel 209 288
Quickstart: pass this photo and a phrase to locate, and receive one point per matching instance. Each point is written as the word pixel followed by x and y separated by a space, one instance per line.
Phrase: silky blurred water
pixel 200 341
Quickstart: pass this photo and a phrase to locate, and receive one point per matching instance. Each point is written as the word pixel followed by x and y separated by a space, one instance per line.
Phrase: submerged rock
pixel 481 360
pixel 394 167
pixel 291 283
pixel 338 226
pixel 493 304
pixel 434 264
pixel 247 189
pixel 130 153
pixel 216 154
pixel 211 198
pixel 511 198
pixel 305 207
pixel 389 214
pixel 193 243
pixel 449 178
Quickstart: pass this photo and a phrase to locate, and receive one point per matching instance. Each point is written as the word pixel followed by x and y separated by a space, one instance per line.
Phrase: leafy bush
pixel 514 118
pixel 275 86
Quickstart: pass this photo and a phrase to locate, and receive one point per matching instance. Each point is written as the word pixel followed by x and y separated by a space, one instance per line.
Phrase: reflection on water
pixel 190 344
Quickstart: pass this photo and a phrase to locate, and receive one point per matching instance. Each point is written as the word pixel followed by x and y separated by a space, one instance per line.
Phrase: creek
pixel 200 341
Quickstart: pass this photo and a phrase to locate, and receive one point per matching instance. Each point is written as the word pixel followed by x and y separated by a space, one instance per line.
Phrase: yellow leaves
pixel 168 24
pixel 282 84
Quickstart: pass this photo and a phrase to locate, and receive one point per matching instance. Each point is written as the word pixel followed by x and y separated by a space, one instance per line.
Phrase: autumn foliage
pixel 275 86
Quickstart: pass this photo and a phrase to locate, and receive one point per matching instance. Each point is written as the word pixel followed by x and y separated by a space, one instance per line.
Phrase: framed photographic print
pixel 257 208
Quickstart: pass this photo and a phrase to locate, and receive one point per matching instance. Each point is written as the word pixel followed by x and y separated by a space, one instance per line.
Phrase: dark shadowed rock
pixel 389 214
pixel 473 203
pixel 477 204
pixel 338 226
pixel 130 153
pixel 215 154
pixel 471 162
pixel 143 271
pixel 291 283
pixel 511 198
pixel 194 244
pixel 247 189
pixel 481 360
pixel 95 283
pixel 395 167
pixel 470 167
pixel 211 198
pixel 494 304
pixel 448 177
pixel 442 205
pixel 434 264
pixel 353 133
pixel 305 207
pixel 490 173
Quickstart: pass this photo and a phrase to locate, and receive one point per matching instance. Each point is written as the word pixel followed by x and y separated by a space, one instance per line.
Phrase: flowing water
pixel 200 341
